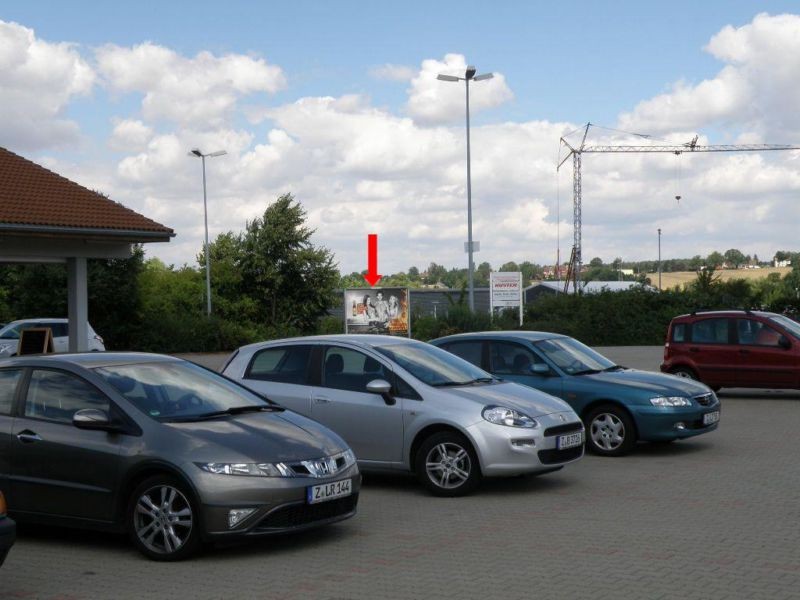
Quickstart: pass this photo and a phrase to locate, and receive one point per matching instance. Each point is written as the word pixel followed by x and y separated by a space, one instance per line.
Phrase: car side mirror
pixel 540 369
pixel 382 387
pixel 784 342
pixel 93 419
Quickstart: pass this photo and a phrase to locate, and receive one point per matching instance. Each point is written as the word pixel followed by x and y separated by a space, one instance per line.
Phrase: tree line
pixel 271 281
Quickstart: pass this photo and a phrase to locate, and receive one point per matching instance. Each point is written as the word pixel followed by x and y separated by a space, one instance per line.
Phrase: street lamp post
pixel 197 153
pixel 469 74
pixel 659 258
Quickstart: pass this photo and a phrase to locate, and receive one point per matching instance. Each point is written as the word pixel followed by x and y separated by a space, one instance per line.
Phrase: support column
pixel 78 303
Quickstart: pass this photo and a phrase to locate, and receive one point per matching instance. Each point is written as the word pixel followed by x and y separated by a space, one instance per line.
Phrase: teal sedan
pixel 619 406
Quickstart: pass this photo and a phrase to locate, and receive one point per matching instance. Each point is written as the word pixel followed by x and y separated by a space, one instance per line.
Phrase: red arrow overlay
pixel 372 276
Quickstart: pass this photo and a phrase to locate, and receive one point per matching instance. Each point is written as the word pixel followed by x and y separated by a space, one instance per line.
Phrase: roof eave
pixel 126 234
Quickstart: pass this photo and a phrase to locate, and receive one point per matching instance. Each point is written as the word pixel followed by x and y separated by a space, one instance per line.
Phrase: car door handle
pixel 28 437
pixel 694 349
pixel 321 400
pixel 743 351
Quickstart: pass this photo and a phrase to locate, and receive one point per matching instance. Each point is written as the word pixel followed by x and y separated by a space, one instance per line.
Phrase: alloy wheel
pixel 448 465
pixel 162 519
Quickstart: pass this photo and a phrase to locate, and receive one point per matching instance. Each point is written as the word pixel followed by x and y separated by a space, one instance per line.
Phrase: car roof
pixel 361 340
pixel 530 336
pixel 88 360
pixel 725 313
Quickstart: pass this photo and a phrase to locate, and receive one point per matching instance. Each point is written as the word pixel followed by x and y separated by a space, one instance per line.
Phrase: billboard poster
pixel 377 310
pixel 506 291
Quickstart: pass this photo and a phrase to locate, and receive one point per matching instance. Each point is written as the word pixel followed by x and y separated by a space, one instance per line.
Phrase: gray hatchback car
pixel 169 451
pixel 404 405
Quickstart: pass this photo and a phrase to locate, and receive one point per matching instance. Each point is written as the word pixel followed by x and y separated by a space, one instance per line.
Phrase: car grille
pixel 298 515
pixel 705 399
pixel 561 429
pixel 553 456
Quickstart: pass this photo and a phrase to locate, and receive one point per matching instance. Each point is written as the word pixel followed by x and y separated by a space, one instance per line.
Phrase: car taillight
pixel 3 507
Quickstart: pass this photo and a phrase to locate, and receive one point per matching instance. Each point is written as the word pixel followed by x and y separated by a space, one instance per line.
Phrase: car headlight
pixel 500 415
pixel 670 401
pixel 248 469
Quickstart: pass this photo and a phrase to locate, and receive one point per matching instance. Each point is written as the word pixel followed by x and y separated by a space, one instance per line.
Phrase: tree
pixel 734 257
pixel 596 262
pixel 715 260
pixel 291 280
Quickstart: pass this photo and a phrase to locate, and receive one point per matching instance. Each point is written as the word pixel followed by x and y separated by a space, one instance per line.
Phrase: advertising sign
pixel 506 291
pixel 377 310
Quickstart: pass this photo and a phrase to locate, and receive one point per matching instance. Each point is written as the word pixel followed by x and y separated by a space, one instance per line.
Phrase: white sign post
pixel 505 291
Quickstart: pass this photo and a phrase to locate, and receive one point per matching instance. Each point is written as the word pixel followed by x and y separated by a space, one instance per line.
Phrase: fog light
pixel 680 425
pixel 237 515
pixel 522 443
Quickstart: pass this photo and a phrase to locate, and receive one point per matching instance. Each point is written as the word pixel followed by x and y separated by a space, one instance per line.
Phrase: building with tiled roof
pixel 45 217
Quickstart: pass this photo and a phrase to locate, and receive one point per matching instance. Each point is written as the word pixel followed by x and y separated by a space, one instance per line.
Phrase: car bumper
pixel 662 424
pixel 514 450
pixel 280 503
pixel 8 533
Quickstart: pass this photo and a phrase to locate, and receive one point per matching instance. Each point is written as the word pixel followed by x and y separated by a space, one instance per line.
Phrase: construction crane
pixel 576 153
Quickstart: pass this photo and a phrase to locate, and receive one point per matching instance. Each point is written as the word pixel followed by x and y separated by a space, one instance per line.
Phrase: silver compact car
pixel 403 405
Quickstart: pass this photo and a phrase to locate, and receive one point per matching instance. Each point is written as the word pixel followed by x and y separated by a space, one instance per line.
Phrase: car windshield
pixel 181 391
pixel 10 331
pixel 788 324
pixel 433 365
pixel 572 357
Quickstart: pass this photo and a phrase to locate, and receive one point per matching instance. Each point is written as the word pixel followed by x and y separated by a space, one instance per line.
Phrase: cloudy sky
pixel 338 103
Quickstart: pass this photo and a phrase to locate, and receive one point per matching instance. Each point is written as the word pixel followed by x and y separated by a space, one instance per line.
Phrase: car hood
pixel 648 381
pixel 258 437
pixel 511 395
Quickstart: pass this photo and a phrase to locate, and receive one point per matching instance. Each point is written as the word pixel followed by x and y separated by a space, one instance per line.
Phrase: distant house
pixel 781 263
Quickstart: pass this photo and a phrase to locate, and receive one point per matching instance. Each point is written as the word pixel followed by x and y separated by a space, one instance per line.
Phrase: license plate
pixel 711 417
pixel 329 491
pixel 569 441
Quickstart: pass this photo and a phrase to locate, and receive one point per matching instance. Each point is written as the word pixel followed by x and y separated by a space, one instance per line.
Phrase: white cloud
pixel 756 89
pixel 130 135
pixel 432 101
pixel 393 72
pixel 201 91
pixel 360 169
pixel 37 81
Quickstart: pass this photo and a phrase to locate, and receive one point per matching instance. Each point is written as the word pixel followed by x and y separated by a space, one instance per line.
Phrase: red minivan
pixel 734 348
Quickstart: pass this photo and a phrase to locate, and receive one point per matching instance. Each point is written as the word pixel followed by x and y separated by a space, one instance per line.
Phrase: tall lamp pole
pixel 469 74
pixel 197 153
pixel 659 259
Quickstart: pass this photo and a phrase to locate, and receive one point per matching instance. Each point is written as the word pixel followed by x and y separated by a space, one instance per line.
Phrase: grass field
pixel 681 278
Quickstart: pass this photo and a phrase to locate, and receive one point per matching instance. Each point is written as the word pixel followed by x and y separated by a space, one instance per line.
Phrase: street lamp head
pixel 470 72
pixel 483 76
pixel 441 77
pixel 196 152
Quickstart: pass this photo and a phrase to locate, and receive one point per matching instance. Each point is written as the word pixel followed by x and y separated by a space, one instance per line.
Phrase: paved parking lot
pixel 713 517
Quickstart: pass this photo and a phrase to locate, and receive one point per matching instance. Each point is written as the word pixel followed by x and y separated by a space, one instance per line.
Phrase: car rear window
pixel 679 332
pixel 287 364
pixel 710 331
pixel 8 386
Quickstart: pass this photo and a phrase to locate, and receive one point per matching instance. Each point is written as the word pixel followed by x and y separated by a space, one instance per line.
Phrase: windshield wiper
pixel 234 410
pixel 587 372
pixel 467 382
pixel 615 368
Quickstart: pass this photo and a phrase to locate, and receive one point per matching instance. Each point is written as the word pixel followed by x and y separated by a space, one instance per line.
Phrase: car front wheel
pixel 447 464
pixel 610 431
pixel 162 519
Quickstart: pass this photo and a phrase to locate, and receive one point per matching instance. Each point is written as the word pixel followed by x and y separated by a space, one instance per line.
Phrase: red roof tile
pixel 31 195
